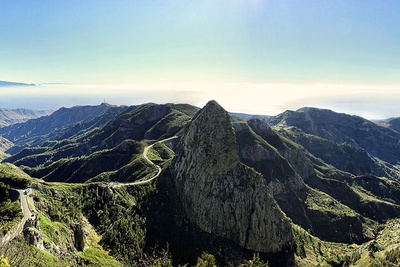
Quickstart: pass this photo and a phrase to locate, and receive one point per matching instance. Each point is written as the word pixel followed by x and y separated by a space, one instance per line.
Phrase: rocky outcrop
pixel 79 237
pixel 32 233
pixel 220 194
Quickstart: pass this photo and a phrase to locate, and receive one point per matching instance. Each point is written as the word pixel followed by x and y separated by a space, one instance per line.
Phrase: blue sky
pixel 241 42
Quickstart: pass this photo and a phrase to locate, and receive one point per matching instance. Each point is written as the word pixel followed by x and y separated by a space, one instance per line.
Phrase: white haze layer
pixel 368 101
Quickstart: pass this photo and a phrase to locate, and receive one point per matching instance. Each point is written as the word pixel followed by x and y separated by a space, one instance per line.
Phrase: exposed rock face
pixel 263 158
pixel 220 194
pixel 79 237
pixel 293 153
pixel 32 233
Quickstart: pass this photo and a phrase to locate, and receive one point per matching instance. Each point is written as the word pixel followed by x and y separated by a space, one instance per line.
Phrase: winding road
pixel 159 169
pixel 24 193
pixel 13 233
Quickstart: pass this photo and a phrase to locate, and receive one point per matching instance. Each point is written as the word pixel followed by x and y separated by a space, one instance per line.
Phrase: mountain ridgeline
pixel 6 83
pixel 93 142
pixel 283 187
pixel 19 115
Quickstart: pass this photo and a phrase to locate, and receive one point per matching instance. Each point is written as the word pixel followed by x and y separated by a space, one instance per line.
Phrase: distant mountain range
pixel 5 83
pixel 284 187
pixel 13 116
pixel 392 123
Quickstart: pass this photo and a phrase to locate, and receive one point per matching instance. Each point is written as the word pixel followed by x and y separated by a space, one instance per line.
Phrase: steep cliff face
pixel 265 159
pixel 291 151
pixel 32 233
pixel 220 194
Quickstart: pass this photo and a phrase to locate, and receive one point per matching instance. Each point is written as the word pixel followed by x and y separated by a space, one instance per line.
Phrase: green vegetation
pixel 153 155
pixel 138 169
pixel 206 260
pixel 335 221
pixel 4 146
pixel 124 163
pixel 3 155
pixel 255 262
pixel 56 234
pixel 94 224
pixel 156 258
pixel 384 250
pixel 10 211
pixel 114 213
pixel 61 214
pixel 189 110
pixel 4 262
pixel 320 201
pixel 10 214
pixel 160 153
pixel 86 150
pixel 311 251
pixel 94 257
pixel 21 254
pixel 14 176
pixel 393 256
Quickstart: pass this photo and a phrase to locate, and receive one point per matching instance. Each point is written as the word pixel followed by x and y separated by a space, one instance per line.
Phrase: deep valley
pixel 174 184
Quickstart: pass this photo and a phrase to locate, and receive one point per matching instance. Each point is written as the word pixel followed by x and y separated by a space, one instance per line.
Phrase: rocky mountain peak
pixel 221 195
pixel 212 132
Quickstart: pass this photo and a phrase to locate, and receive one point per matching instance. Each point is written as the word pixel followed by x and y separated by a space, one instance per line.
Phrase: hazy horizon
pixel 252 56
pixel 362 100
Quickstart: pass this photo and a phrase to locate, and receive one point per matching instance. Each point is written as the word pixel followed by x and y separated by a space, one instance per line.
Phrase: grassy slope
pixel 10 210
pixel 4 145
pixel 14 176
pixel 114 220
pixel 65 160
pixel 114 224
pixel 384 250
pixel 63 207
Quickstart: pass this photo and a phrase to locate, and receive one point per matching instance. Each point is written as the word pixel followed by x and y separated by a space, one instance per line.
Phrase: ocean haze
pixel 368 101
